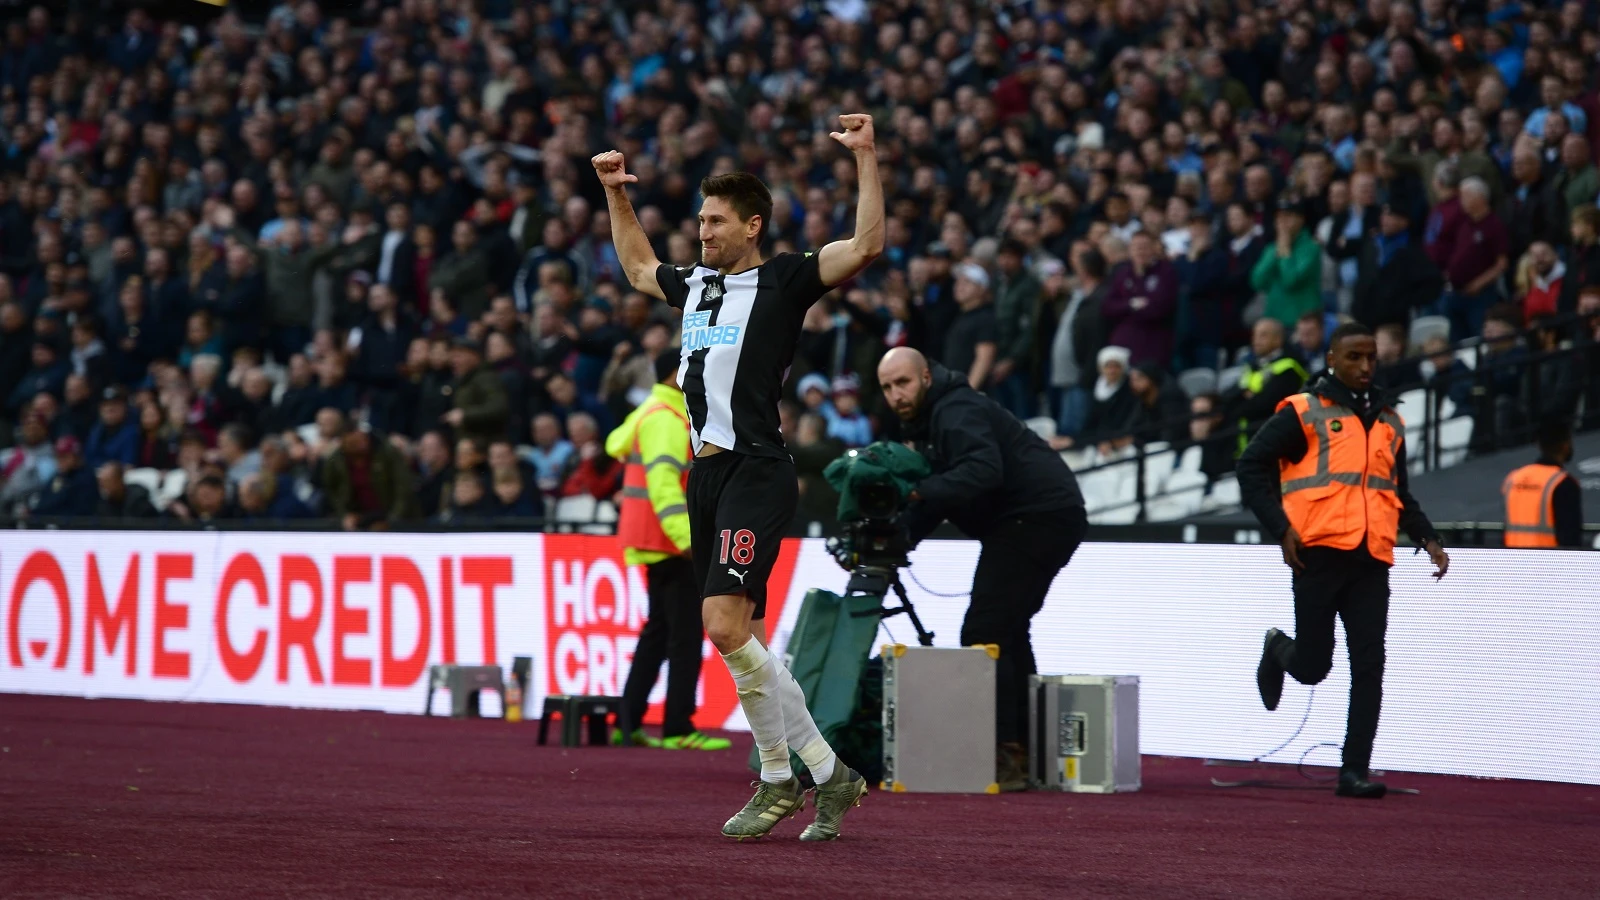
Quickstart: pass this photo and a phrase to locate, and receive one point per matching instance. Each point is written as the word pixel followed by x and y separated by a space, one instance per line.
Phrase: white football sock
pixel 757 679
pixel 801 730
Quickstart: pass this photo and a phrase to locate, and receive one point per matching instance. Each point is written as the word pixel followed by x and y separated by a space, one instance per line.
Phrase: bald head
pixel 904 375
pixel 906 358
pixel 1267 336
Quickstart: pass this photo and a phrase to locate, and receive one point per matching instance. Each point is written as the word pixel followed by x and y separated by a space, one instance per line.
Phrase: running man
pixel 741 323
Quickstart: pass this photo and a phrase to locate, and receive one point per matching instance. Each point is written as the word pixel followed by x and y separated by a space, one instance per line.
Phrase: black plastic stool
pixel 574 709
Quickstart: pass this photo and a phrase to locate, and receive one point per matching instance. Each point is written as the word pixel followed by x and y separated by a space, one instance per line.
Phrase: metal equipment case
pixel 938 719
pixel 1084 732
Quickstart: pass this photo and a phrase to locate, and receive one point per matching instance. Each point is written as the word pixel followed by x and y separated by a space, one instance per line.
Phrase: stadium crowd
pixel 357 265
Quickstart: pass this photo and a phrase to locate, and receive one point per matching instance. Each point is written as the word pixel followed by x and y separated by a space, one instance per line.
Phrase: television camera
pixel 874 484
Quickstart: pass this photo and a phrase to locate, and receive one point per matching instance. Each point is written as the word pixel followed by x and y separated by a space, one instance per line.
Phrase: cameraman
pixel 1000 483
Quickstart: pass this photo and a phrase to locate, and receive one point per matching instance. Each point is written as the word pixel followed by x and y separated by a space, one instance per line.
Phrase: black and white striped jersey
pixel 739 337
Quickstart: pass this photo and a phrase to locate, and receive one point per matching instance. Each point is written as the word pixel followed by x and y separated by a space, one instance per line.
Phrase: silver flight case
pixel 1084 732
pixel 938 719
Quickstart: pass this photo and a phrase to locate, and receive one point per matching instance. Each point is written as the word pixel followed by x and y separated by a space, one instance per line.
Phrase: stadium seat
pixel 1424 327
pixel 605 512
pixel 1468 357
pixel 1158 466
pixel 1413 405
pixel 1195 382
pixel 1454 436
pixel 1126 514
pixel 172 487
pixel 1181 498
pixel 1101 459
pixel 580 508
pixel 1108 487
pixel 1189 461
pixel 1043 426
pixel 1078 458
pixel 149 479
pixel 1224 494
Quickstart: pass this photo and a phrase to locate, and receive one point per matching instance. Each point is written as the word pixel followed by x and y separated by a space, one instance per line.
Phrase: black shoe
pixel 1269 673
pixel 1355 784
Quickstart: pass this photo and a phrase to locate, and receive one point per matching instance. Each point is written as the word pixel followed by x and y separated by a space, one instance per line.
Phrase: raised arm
pixel 841 260
pixel 633 246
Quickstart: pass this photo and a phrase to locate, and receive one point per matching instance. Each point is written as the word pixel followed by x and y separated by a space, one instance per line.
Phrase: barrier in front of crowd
pixel 1490 671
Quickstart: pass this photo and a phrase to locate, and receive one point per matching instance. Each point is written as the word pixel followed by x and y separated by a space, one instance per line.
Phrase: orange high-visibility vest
pixel 1344 488
pixel 638 525
pixel 1530 514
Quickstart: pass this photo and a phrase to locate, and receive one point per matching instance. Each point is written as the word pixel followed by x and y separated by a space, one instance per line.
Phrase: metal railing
pixel 1500 421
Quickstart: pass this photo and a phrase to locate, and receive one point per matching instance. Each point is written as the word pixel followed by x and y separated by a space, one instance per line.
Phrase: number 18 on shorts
pixel 739 509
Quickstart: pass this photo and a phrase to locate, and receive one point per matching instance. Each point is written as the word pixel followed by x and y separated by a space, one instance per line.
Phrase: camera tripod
pixel 878 581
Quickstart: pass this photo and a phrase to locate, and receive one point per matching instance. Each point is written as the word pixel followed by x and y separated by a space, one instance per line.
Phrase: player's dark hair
pixel 1348 329
pixel 745 193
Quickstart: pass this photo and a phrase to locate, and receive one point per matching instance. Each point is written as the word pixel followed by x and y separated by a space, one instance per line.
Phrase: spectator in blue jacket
pixel 115 438
pixel 268 497
pixel 47 376
pixel 549 454
pixel 73 491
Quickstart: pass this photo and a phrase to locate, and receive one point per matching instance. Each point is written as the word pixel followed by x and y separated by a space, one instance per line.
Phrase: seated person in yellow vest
pixel 653 526
pixel 1326 476
pixel 1544 504
pixel 1271 376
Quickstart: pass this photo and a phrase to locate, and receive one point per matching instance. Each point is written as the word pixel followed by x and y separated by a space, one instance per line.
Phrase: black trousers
pixel 672 633
pixel 1355 587
pixel 1019 560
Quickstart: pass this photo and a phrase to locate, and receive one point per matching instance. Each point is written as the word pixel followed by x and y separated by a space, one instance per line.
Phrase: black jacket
pixel 1282 438
pixel 986 464
pixel 1387 294
pixel 74 493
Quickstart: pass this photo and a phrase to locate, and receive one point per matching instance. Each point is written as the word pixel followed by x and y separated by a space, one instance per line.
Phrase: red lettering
pixel 447 609
pixel 346 621
pixel 488 573
pixel 170 663
pixel 241 667
pixel 299 632
pixel 112 623
pixel 398 571
pixel 40 566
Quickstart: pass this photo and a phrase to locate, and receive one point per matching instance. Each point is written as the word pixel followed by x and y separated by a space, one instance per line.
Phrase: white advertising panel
pixel 1494 671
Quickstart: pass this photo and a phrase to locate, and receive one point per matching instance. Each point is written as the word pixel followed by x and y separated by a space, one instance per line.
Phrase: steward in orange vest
pixel 1544 504
pixel 1326 477
pixel 653 526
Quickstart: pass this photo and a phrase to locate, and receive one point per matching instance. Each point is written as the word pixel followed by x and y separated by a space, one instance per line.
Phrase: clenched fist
pixel 857 135
pixel 609 166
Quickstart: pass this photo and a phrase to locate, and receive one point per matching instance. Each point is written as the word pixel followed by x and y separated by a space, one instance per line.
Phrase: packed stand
pixel 359 268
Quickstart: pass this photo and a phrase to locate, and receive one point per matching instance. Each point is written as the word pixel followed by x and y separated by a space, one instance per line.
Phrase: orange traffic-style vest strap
pixel 1320 413
pixel 1530 509
pixel 640 522
pixel 1344 491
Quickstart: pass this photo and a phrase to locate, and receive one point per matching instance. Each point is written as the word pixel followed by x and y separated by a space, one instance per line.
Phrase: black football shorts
pixel 739 508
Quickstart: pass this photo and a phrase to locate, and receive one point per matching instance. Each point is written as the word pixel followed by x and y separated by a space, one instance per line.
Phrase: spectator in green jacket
pixel 1291 273
pixel 481 411
pixel 368 483
pixel 464 274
